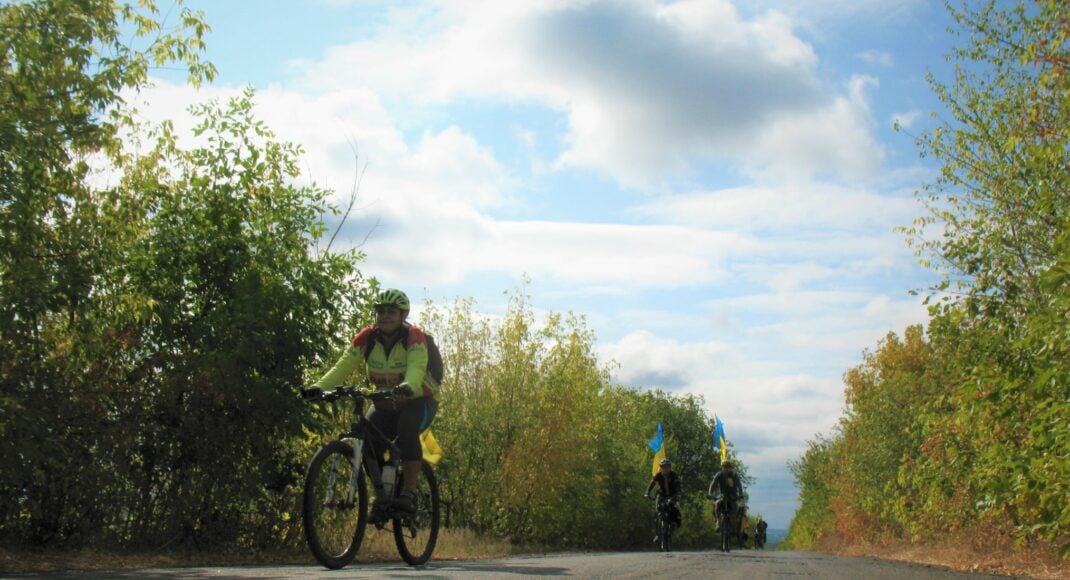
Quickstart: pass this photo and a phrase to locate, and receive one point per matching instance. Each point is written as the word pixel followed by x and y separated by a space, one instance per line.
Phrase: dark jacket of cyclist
pixel 726 485
pixel 397 358
pixel 668 484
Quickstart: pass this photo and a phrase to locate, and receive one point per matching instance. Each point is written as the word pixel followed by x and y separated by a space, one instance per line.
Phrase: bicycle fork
pixel 354 473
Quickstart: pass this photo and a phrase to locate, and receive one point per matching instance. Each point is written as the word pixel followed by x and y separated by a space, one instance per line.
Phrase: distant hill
pixel 774 537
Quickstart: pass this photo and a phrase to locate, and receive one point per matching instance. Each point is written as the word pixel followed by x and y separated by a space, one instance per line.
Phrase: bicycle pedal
pixel 379 517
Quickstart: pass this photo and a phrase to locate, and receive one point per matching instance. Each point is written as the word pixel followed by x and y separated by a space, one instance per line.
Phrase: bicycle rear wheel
pixel 416 534
pixel 334 512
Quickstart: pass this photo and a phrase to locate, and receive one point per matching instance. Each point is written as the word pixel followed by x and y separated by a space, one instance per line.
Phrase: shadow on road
pixel 499 567
pixel 435 569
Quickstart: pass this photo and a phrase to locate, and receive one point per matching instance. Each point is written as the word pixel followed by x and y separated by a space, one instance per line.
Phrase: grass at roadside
pixel 453 544
pixel 992 555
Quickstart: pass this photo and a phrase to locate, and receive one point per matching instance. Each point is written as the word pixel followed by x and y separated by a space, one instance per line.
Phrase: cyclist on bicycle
pixel 669 488
pixel 396 359
pixel 727 486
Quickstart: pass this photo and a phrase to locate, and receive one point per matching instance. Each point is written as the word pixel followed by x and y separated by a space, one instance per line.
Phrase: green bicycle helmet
pixel 393 297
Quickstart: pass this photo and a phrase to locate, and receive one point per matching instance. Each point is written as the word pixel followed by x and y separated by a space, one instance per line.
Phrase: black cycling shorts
pixel 406 425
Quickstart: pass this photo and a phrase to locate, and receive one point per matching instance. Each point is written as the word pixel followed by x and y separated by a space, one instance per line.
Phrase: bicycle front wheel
pixel 726 539
pixel 335 506
pixel 416 534
pixel 666 534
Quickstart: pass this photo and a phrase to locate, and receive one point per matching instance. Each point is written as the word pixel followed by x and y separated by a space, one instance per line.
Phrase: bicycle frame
pixel 661 505
pixel 662 517
pixel 729 508
pixel 359 431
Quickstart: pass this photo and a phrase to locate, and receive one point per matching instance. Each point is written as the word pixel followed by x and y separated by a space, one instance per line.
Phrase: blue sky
pixel 714 184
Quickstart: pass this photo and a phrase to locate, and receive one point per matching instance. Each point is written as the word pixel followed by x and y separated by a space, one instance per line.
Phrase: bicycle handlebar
pixel 314 394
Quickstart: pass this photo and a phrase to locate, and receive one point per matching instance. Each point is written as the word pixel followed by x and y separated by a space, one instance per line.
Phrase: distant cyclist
pixel 726 485
pixel 668 484
pixel 759 535
pixel 396 359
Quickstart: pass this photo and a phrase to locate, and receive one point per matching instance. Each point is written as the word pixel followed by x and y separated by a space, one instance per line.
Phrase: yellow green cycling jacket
pixel 405 363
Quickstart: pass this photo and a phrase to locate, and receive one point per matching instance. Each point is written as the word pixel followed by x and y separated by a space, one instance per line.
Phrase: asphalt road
pixel 749 564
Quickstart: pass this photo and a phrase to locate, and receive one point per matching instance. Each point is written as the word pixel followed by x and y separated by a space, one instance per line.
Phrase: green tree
pixel 941 490
pixel 153 330
pixel 63 314
pixel 542 448
pixel 1002 203
pixel 1001 193
pixel 814 473
pixel 881 432
pixel 242 307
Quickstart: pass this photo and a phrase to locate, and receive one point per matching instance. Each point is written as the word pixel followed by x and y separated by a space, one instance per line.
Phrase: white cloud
pixel 740 390
pixel 877 57
pixel 455 165
pixel 795 207
pixel 836 140
pixel 907 119
pixel 647 360
pixel 648 89
pixel 846 330
pixel 423 206
pixel 621 256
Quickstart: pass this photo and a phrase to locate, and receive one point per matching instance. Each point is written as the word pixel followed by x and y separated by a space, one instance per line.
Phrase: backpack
pixel 436 369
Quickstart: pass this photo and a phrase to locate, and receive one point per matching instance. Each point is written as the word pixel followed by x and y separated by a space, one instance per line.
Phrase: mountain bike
pixel 335 502
pixel 759 539
pixel 663 523
pixel 727 521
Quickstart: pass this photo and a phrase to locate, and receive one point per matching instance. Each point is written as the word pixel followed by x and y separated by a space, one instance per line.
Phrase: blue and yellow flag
pixel 719 442
pixel 431 449
pixel 657 445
